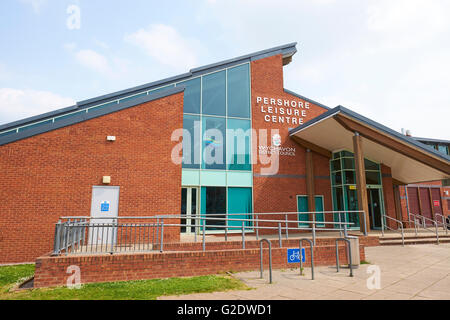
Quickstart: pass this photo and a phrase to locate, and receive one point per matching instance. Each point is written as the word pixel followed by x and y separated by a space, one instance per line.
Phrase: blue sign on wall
pixel 293 255
pixel 104 206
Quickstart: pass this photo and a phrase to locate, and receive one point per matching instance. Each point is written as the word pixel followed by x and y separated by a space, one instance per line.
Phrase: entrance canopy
pixel 409 160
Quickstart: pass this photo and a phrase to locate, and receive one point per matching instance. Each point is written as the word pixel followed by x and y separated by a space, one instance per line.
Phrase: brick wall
pixel 51 271
pixel 279 193
pixel 52 174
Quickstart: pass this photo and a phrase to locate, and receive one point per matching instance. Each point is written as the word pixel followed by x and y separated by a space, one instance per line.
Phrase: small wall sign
pixel 104 206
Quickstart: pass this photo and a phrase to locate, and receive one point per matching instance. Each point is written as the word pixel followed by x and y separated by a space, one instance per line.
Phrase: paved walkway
pixel 410 272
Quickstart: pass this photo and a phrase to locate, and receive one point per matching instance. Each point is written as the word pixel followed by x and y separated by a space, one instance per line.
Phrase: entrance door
pixel 375 208
pixel 302 206
pixel 105 207
pixel 189 207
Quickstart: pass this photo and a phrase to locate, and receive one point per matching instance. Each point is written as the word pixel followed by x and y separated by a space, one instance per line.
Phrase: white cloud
pixel 17 104
pixel 94 61
pixel 36 4
pixel 165 44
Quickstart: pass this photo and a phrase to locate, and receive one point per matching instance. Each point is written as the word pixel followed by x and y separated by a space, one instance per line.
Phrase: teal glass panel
pixel 338 204
pixel 319 208
pixel 346 154
pixel 133 97
pixel 302 206
pixel 31 126
pixel 238 145
pixel 191 95
pixel 373 177
pixel 238 91
pixel 240 201
pixel 213 203
pixel 191 141
pixel 213 94
pixel 214 143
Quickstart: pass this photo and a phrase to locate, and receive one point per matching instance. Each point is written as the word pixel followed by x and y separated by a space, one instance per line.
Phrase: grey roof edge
pixel 42 116
pixel 283 49
pixel 88 116
pixel 306 99
pixel 374 124
pixel 432 140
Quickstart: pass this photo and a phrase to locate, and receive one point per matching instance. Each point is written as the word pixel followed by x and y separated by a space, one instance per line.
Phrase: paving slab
pixel 418 272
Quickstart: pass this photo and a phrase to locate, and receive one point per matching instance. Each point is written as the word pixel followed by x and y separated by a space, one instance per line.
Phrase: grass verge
pixel 129 290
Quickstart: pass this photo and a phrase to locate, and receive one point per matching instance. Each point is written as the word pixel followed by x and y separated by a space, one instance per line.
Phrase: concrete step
pixel 409 236
pixel 411 241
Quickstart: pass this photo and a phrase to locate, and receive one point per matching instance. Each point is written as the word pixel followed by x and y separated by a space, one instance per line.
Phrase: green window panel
pixel 303 206
pixel 238 145
pixel 238 91
pixel 240 201
pixel 214 94
pixel 191 95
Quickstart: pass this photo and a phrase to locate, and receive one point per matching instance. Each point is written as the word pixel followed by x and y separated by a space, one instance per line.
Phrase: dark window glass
pixel 349 177
pixel 191 95
pixel 191 142
pixel 337 178
pixel 373 177
pixel 336 165
pixel 214 143
pixel 213 93
pixel 369 165
pixel 349 163
pixel 238 92
pixel 214 201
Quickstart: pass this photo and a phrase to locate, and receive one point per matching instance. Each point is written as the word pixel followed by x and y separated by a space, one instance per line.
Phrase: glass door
pixel 375 208
pixel 189 207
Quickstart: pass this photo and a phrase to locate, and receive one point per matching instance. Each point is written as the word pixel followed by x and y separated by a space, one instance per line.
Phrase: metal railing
pixel 444 221
pixel 349 255
pixel 423 224
pixel 85 235
pixel 301 256
pixel 385 225
pixel 261 258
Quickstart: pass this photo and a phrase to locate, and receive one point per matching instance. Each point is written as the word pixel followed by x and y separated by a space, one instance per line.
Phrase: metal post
pixel 162 235
pixel 437 232
pixel 243 235
pixel 226 233
pixel 349 255
pixel 365 223
pixel 204 234
pixel 314 233
pixel 257 228
pixel 340 225
pixel 312 256
pixel 415 225
pixel 287 228
pixel 382 224
pixel 279 234
pixel 345 231
pixel 261 258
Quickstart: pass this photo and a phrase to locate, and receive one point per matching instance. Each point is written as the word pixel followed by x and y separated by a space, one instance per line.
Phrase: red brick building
pixel 248 146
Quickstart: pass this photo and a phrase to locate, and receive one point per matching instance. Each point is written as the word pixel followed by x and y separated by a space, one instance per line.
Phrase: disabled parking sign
pixel 293 255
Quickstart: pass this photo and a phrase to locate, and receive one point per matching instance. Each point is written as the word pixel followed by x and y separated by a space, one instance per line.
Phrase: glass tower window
pixel 213 94
pixel 191 95
pixel 214 142
pixel 238 93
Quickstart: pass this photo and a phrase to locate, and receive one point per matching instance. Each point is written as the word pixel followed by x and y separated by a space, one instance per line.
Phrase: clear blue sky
pixel 386 59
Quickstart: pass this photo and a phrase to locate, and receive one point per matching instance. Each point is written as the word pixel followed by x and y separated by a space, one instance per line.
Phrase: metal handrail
pixel 70 236
pixel 349 254
pixel 383 225
pixel 444 221
pixel 424 219
pixel 261 258
pixel 301 256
